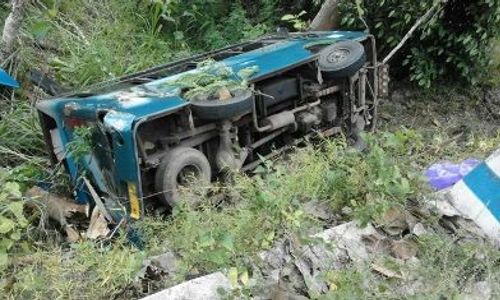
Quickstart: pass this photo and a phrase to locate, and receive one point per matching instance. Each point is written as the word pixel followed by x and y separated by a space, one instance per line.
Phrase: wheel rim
pixel 338 55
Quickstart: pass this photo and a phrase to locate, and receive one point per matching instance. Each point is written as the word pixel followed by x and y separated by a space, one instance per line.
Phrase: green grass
pixel 262 209
pixel 21 136
pixel 100 40
pixel 85 271
pixel 3 11
pixel 443 269
pixel 109 39
pixel 257 211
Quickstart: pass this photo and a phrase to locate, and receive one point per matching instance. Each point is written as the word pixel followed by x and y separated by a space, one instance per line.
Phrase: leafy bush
pixel 12 220
pixel 81 143
pixel 455 44
pixel 204 24
pixel 115 37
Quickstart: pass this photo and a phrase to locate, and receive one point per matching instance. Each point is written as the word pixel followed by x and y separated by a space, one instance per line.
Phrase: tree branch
pixel 422 19
pixel 11 28
pixel 327 17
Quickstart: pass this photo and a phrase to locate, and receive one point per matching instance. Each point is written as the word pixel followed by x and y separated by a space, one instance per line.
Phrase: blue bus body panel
pixel 126 108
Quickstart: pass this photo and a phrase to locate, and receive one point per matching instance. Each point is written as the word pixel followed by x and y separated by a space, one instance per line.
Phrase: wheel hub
pixel 338 55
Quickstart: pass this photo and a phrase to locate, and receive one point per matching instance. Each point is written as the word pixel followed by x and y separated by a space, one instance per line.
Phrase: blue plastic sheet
pixel 6 80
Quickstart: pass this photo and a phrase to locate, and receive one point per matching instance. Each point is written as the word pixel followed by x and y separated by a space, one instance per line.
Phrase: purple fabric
pixel 445 174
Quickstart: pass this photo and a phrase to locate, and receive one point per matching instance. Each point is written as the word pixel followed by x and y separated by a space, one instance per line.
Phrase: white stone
pixel 349 236
pixel 202 288
pixel 419 229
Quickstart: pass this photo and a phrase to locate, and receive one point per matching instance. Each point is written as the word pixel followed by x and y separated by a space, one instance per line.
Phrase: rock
pixel 159 266
pixel 480 291
pixel 393 222
pixel 376 243
pixel 385 271
pixel 404 249
pixel 318 209
pixel 279 293
pixel 419 229
pixel 349 237
pixel 166 262
pixel 303 266
pixel 410 219
pixel 441 204
pixel 346 211
pixel 277 256
pixel 208 287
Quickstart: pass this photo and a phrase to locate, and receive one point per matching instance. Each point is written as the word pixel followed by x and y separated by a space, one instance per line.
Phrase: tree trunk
pixel 12 28
pixel 327 17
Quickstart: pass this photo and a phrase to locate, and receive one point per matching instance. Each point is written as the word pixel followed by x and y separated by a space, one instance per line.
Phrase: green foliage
pixel 4 10
pixel 209 238
pixel 86 271
pixel 348 284
pixel 21 136
pixel 109 39
pixel 269 205
pixel 115 37
pixel 81 143
pixel 12 220
pixel 369 183
pixel 454 44
pixel 205 24
pixel 295 20
pixel 210 78
pixel 447 266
